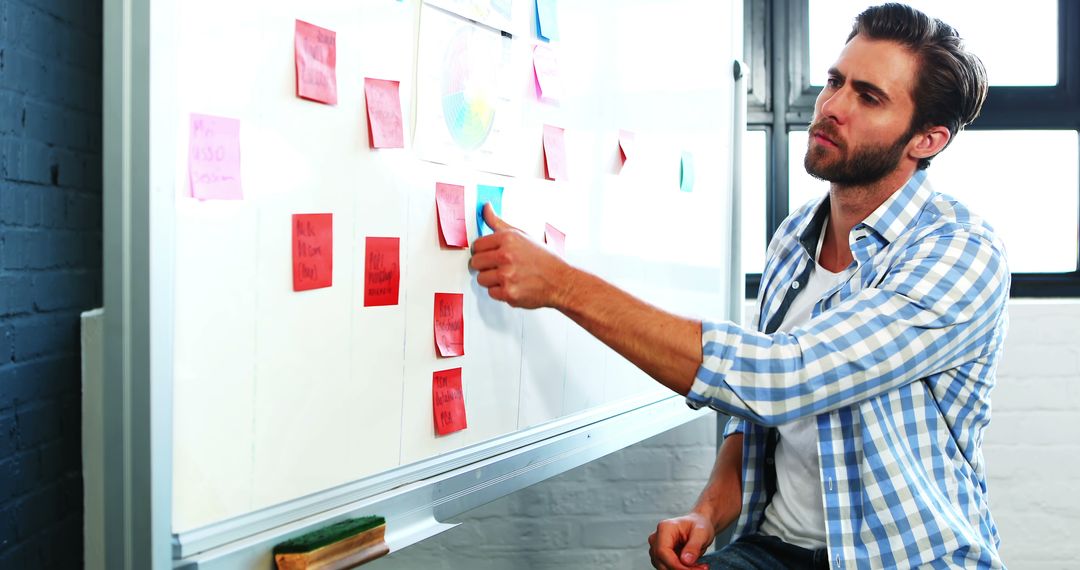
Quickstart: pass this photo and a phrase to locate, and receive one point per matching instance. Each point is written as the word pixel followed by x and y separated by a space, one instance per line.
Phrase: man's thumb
pixel 494 222
pixel 691 551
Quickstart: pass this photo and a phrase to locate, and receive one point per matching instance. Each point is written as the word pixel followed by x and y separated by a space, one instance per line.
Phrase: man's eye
pixel 870 99
pixel 832 82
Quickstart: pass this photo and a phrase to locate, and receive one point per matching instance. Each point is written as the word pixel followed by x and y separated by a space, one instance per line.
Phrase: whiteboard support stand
pixel 136 387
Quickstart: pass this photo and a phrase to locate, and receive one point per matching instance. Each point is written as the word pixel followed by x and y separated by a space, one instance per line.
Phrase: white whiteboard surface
pixel 280 395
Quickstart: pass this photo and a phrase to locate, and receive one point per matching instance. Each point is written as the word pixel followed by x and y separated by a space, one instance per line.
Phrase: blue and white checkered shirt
pixel 897 364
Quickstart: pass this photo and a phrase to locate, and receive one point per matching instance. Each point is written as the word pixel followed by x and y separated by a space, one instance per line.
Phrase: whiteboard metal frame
pixel 138 381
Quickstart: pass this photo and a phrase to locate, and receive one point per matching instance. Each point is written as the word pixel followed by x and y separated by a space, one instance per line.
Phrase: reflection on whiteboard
pixel 495 13
pixel 466 112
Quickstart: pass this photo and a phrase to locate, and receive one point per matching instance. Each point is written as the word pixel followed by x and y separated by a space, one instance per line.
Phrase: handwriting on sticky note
pixel 555 238
pixel 554 153
pixel 316 63
pixel 547 21
pixel 313 251
pixel 548 74
pixel 448 401
pixel 450 207
pixel 382 271
pixel 214 158
pixel 487 194
pixel 384 113
pixel 449 324
pixel 686 172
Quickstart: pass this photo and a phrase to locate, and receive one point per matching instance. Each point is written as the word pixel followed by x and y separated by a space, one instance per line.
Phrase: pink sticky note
pixel 555 238
pixel 382 272
pixel 448 401
pixel 548 76
pixel 554 153
pixel 316 63
pixel 626 145
pixel 384 113
pixel 449 324
pixel 214 158
pixel 450 204
pixel 312 251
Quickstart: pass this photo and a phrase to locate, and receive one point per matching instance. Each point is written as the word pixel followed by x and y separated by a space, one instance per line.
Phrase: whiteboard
pixel 280 396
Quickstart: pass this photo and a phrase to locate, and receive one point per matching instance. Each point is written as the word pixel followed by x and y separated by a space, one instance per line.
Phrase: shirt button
pixel 795 285
pixel 839 562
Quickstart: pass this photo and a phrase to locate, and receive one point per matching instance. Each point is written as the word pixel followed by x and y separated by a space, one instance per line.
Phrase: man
pixel 860 402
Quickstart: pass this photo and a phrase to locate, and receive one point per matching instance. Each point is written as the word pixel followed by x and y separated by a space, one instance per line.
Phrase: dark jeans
pixel 761 552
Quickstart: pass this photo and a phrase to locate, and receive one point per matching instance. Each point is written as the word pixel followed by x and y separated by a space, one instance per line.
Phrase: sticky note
pixel 626 145
pixel 312 251
pixel 449 325
pixel 555 238
pixel 548 76
pixel 316 63
pixel 547 22
pixel 450 206
pixel 214 158
pixel 448 401
pixel 384 113
pixel 554 153
pixel 382 271
pixel 686 172
pixel 485 194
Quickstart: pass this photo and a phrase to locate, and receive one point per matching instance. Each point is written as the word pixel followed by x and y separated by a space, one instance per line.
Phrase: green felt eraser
pixel 319 538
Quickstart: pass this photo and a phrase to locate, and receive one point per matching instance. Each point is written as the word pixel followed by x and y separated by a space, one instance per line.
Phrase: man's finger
pixel 495 222
pixel 694 546
pixel 485 243
pixel 488 278
pixel 484 261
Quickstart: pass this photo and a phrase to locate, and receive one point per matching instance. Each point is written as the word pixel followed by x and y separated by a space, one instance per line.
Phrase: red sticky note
pixel 556 238
pixel 548 76
pixel 384 113
pixel 449 325
pixel 554 153
pixel 214 158
pixel 312 251
pixel 448 401
pixel 626 145
pixel 382 272
pixel 316 62
pixel 450 204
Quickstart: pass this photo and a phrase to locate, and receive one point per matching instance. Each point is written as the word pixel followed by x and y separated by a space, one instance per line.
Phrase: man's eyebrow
pixel 861 86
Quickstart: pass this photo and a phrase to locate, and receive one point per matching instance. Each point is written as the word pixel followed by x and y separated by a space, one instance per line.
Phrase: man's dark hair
pixel 951 84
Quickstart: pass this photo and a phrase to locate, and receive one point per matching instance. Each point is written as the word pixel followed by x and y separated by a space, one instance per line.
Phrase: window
pixel 1018 165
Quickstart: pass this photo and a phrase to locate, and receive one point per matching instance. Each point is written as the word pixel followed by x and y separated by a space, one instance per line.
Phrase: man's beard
pixel 865 166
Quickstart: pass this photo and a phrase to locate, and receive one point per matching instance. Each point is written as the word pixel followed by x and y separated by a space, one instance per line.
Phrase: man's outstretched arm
pixel 517 270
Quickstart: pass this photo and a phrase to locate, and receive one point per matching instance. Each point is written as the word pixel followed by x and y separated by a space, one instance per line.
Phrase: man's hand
pixel 517 270
pixel 679 542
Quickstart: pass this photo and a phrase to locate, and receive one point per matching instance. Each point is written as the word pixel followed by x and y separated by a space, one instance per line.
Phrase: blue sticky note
pixel 686 172
pixel 547 22
pixel 485 194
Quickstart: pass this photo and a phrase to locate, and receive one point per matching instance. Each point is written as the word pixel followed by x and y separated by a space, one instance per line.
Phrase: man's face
pixel 862 117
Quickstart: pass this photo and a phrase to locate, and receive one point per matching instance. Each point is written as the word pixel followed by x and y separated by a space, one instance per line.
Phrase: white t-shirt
pixel 796 513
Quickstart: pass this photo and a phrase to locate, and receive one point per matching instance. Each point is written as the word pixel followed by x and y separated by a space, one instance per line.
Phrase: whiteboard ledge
pixel 416 511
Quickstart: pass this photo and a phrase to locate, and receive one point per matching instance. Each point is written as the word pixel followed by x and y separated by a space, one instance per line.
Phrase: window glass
pixel 754 189
pixel 1018 45
pixel 1026 184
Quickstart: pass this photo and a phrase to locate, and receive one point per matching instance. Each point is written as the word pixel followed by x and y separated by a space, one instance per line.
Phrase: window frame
pixel 777 50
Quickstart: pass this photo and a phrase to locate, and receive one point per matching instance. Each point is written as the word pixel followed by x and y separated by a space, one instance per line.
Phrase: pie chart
pixel 468 91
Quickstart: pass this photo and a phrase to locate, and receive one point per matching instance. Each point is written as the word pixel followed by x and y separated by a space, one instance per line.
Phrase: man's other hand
pixel 517 270
pixel 679 542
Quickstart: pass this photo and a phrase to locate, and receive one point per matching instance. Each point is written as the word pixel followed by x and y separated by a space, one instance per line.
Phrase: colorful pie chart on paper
pixel 468 104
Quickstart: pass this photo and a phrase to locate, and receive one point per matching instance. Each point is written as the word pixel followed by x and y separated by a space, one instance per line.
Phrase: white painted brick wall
pixel 599 515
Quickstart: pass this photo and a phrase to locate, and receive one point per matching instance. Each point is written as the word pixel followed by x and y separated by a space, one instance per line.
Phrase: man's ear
pixel 929 142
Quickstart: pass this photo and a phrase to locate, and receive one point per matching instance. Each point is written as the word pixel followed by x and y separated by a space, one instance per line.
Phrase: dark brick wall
pixel 50 268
